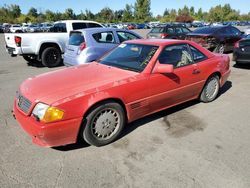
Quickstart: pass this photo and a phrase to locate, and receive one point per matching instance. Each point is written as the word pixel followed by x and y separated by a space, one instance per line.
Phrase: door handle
pixel 196 71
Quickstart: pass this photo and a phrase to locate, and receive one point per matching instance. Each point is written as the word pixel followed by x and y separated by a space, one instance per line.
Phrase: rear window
pixel 207 30
pixel 93 25
pixel 79 26
pixel 76 39
pixel 157 30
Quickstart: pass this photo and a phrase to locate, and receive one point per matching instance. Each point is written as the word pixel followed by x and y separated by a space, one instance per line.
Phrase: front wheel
pixel 51 57
pixel 104 124
pixel 210 90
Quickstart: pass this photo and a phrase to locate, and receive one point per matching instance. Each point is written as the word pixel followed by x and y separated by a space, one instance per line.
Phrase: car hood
pixel 84 79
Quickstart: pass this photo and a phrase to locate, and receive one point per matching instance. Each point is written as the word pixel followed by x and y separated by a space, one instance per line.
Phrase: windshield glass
pixel 157 30
pixel 133 57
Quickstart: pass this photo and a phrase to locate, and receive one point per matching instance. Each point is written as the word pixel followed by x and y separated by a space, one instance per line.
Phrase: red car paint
pixel 76 89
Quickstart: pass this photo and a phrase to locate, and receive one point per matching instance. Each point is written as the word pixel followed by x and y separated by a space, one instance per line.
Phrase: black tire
pixel 99 120
pixel 211 89
pixel 220 48
pixel 51 57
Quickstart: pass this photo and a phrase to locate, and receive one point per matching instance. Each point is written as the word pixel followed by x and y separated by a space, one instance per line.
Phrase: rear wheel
pixel 220 48
pixel 104 124
pixel 211 89
pixel 51 57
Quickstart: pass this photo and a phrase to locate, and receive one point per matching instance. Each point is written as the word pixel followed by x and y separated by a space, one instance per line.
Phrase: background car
pixel 247 31
pixel 241 52
pixel 218 39
pixel 16 28
pixel 90 44
pixel 33 28
pixel 25 27
pixel 169 32
pixel 1 29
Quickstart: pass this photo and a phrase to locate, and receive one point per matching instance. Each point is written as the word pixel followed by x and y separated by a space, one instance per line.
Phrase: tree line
pixel 139 12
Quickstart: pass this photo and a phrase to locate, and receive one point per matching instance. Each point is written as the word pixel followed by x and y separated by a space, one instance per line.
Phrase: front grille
pixel 23 103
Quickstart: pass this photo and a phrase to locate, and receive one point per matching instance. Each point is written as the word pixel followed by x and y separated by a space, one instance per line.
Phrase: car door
pixel 179 33
pixel 181 85
pixel 104 42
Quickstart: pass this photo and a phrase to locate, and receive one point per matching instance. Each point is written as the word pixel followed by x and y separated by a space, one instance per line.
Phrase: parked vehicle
pixel 218 39
pixel 241 53
pixel 131 26
pixel 247 31
pixel 90 44
pixel 46 26
pixel 45 47
pixel 94 101
pixel 169 32
pixel 1 29
pixel 25 27
pixel 33 28
pixel 16 29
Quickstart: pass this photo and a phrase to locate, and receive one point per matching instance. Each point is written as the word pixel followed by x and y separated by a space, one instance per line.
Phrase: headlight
pixel 46 113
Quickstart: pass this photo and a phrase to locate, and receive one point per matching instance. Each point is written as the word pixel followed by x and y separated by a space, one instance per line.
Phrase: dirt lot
pixel 192 145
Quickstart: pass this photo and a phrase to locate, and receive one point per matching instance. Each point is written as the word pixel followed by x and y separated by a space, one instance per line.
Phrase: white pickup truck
pixel 45 47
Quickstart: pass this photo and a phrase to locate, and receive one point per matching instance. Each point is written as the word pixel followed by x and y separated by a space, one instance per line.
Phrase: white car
pixel 247 31
pixel 16 29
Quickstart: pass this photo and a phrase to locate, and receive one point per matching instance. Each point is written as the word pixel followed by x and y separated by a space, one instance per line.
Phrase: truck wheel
pixel 51 57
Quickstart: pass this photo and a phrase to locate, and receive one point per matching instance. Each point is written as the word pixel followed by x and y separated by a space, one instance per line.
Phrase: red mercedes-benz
pixel 94 101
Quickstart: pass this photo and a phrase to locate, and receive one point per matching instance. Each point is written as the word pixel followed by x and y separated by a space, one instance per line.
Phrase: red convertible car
pixel 94 101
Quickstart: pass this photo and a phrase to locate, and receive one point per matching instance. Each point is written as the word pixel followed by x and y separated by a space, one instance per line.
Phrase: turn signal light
pixel 52 114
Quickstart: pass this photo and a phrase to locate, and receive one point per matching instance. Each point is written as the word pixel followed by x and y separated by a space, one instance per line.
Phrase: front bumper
pixel 224 77
pixel 51 134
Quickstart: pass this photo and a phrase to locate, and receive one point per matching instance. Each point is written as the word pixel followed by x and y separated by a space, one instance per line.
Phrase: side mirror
pixel 164 68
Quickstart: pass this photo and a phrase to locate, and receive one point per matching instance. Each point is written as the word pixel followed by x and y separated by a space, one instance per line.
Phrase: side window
pixel 197 55
pixel 185 30
pixel 104 37
pixel 123 36
pixel 79 25
pixel 235 31
pixel 93 25
pixel 59 28
pixel 176 55
pixel 169 30
pixel 178 30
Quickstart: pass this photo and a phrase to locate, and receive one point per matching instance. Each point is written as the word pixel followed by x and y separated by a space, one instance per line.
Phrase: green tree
pixel 105 15
pixel 32 12
pixel 192 11
pixel 69 14
pixel 127 13
pixel 142 10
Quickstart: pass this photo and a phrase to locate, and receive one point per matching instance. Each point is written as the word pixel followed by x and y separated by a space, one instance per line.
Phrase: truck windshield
pixel 132 57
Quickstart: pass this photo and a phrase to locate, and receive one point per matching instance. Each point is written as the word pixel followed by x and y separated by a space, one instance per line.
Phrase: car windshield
pixel 133 57
pixel 206 30
pixel 157 30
